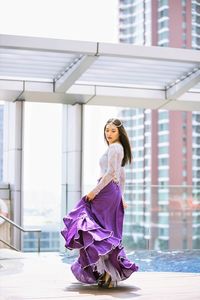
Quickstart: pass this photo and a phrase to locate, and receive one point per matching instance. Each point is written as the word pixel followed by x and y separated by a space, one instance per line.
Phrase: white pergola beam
pixel 128 97
pixel 10 90
pixel 104 49
pixel 43 92
pixel 46 97
pixel 145 96
pixel 99 95
pixel 125 102
pixel 9 95
pixel 181 87
pixel 190 97
pixel 182 105
pixel 73 73
pixel 134 93
pixel 150 52
pixel 11 84
pixel 46 44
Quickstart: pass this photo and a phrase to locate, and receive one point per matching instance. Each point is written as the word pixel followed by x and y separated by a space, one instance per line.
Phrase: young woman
pixel 95 225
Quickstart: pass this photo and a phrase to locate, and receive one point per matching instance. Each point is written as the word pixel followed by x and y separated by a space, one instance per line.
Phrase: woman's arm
pixel 110 174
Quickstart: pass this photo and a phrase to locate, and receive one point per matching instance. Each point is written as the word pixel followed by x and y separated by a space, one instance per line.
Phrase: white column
pixel 12 169
pixel 71 158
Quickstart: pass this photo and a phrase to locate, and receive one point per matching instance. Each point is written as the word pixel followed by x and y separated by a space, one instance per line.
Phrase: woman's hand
pixel 125 205
pixel 90 196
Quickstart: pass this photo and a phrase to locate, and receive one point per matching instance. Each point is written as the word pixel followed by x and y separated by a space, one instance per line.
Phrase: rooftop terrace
pixel 44 276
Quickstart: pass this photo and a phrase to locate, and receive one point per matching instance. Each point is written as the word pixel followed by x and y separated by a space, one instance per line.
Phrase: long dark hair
pixel 123 138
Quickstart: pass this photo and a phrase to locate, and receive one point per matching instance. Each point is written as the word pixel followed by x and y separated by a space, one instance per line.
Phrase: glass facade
pixel 195 148
pixel 50 241
pixel 42 174
pixel 135 22
pixel 196 24
pixel 162 218
pixel 163 23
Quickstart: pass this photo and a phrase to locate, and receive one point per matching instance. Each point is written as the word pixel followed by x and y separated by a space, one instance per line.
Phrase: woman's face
pixel 112 133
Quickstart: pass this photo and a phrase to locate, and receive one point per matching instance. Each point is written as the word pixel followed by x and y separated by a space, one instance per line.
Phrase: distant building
pixel 50 240
pixel 166 144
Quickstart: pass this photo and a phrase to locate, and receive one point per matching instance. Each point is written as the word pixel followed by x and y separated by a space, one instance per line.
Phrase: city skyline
pixel 163 141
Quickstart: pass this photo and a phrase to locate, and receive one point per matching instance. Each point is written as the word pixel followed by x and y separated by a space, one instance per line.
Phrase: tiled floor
pixel 45 276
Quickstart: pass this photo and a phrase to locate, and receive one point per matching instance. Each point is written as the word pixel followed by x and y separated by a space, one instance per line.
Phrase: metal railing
pixel 21 229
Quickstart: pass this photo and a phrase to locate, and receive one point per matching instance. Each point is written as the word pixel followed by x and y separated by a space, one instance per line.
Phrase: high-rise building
pixel 166 144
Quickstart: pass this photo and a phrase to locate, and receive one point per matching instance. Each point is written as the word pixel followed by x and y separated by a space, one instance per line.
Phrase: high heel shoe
pixel 108 284
pixel 101 280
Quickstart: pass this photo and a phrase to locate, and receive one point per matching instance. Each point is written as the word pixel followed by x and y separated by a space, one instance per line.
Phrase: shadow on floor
pixel 121 291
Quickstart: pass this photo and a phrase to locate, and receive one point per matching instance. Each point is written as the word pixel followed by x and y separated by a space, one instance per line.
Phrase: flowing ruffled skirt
pixel 95 228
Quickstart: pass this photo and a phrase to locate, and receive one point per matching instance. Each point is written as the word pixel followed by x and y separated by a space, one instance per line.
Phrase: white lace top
pixel 111 169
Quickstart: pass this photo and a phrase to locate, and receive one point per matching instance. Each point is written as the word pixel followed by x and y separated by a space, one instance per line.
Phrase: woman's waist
pixel 114 179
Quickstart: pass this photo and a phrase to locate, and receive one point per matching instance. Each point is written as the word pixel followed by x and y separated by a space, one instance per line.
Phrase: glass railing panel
pixel 162 217
pixel 161 229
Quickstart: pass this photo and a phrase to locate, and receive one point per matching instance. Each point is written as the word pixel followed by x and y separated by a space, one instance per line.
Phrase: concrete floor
pixel 45 276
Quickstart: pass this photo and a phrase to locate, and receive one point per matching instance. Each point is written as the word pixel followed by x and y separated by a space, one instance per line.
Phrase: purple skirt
pixel 95 228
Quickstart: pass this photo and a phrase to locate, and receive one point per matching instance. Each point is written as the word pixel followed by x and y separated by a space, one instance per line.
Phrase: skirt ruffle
pixel 83 231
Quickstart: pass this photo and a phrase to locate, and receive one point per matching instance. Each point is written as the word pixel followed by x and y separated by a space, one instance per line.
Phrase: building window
pixel 163 173
pixel 163 138
pixel 129 20
pixel 197 19
pixel 184 173
pixel 163 115
pixel 183 36
pixel 127 1
pixel 163 150
pixel 127 10
pixel 163 127
pixel 184 150
pixel 196 151
pixel 163 231
pixel 196 140
pixel 163 161
pixel 197 118
pixel 163 35
pixel 163 13
pixel 183 2
pixel 163 24
pixel 198 9
pixel 163 44
pixel 162 3
pixel 129 30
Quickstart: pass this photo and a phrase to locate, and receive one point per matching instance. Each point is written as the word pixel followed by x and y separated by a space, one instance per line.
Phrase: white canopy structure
pixel 70 72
